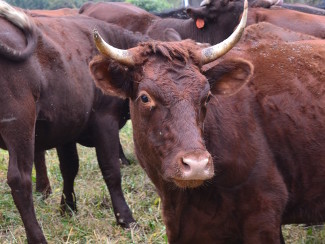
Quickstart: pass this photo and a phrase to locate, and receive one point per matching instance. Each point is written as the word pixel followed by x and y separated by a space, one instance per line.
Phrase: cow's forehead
pixel 173 80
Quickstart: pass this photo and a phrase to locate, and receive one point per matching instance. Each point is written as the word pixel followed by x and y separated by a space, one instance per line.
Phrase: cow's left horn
pixel 121 56
pixel 210 54
pixel 205 2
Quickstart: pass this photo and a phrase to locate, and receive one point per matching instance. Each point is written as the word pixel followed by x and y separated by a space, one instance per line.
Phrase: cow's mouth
pixel 188 183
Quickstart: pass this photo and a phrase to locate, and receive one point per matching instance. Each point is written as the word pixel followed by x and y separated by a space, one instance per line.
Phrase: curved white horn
pixel 205 2
pixel 210 54
pixel 121 56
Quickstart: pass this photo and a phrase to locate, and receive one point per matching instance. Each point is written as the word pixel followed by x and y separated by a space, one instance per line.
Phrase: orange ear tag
pixel 199 23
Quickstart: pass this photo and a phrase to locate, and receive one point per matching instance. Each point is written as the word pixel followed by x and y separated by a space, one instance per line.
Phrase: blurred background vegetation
pixel 149 5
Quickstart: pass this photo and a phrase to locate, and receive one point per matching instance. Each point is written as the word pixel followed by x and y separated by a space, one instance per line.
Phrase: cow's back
pixel 125 15
pixel 56 75
pixel 300 22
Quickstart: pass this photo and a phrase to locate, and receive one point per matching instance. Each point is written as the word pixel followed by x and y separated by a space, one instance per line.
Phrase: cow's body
pixel 49 100
pixel 42 182
pixel 267 141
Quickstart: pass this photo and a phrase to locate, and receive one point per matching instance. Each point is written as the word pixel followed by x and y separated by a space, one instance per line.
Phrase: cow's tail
pixel 23 22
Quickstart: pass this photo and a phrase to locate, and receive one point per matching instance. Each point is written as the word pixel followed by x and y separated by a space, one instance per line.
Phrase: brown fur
pixel 309 24
pixel 53 13
pixel 267 140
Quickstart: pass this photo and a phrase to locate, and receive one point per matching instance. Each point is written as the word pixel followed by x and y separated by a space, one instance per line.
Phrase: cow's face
pixel 168 97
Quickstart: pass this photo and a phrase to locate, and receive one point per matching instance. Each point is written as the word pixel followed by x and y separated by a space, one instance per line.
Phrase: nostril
pixel 186 165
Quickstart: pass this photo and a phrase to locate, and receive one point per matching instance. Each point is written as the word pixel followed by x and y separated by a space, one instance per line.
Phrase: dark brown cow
pixel 267 141
pixel 300 22
pixel 42 181
pixel 49 100
pixel 211 23
pixel 304 8
pixel 217 28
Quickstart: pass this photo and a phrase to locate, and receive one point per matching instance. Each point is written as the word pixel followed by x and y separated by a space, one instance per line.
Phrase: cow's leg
pixel 261 229
pixel 281 237
pixel 69 165
pixel 106 137
pixel 123 158
pixel 42 181
pixel 18 135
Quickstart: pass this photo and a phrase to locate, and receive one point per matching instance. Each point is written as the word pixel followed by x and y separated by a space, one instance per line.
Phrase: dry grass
pixel 95 222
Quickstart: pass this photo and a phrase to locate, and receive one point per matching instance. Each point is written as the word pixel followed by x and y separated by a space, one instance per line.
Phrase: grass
pixel 95 222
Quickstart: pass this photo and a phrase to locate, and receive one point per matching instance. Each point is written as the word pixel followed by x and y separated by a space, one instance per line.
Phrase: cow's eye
pixel 208 98
pixel 144 98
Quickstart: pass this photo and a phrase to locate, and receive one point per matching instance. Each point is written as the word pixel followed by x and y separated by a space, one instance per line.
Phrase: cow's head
pixel 215 10
pixel 168 97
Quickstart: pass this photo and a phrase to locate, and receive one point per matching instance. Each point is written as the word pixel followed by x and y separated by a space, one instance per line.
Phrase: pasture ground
pixel 95 222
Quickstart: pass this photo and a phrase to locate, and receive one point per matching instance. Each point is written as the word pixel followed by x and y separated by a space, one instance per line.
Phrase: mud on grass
pixel 95 222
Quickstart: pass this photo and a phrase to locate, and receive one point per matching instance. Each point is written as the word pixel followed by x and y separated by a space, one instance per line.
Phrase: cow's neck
pixel 183 207
pixel 213 32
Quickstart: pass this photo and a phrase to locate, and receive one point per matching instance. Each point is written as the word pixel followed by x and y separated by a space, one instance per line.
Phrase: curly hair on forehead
pixel 184 50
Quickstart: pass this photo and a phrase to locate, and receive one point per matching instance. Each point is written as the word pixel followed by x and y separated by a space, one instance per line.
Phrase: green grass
pixel 95 222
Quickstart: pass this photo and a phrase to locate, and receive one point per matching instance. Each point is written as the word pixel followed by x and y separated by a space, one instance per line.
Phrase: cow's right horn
pixel 210 54
pixel 121 56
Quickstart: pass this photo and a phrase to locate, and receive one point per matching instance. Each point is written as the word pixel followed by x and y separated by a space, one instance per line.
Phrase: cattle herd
pixel 228 122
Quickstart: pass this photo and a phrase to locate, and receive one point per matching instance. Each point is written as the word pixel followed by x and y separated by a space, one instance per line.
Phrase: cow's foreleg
pixel 107 149
pixel 42 181
pixel 263 228
pixel 69 166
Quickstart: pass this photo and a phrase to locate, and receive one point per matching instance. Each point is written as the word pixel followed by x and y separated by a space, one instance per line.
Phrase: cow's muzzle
pixel 194 168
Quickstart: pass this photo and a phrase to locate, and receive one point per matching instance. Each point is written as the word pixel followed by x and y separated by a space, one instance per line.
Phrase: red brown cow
pixel 230 162
pixel 300 22
pixel 49 100
pixel 53 13
pixel 264 32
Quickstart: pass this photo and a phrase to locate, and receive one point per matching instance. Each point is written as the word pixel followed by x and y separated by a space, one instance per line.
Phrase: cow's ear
pixel 171 35
pixel 111 77
pixel 229 76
